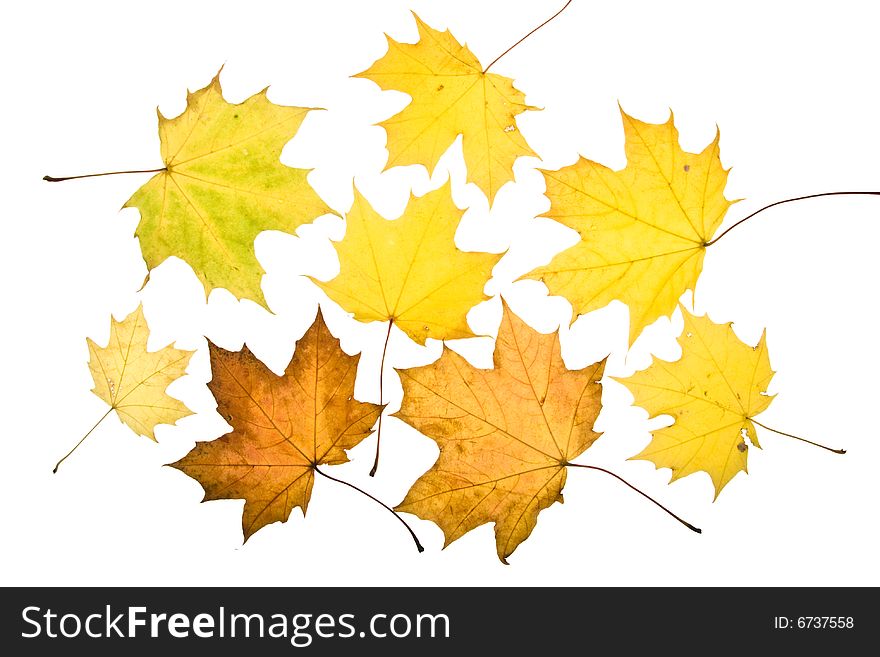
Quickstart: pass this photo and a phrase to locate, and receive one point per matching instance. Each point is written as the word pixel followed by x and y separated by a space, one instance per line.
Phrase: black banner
pixel 406 621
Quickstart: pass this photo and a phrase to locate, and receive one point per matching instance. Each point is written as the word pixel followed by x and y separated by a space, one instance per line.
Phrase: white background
pixel 793 87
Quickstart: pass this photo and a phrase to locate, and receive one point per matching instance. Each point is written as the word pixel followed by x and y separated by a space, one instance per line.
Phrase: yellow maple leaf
pixel 409 270
pixel 132 380
pixel 505 435
pixel 284 427
pixel 451 95
pixel 712 393
pixel 222 185
pixel 644 229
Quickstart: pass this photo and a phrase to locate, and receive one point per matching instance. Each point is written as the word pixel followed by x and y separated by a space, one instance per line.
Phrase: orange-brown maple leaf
pixel 284 427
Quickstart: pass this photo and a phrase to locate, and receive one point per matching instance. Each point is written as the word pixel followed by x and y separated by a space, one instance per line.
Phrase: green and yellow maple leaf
pixel 222 185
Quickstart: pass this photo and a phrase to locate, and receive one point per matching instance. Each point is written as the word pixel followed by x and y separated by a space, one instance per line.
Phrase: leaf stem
pixel 803 440
pixel 494 61
pixel 381 399
pixel 789 200
pixel 645 495
pixel 55 469
pixel 378 501
pixel 107 173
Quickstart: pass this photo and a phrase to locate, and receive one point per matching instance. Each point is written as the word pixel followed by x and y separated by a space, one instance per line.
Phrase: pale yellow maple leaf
pixel 132 380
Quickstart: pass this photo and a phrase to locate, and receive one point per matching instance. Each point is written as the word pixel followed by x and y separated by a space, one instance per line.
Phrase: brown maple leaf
pixel 283 427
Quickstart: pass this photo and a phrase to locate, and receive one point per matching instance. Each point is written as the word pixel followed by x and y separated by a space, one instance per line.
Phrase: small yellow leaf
pixel 451 96
pixel 409 270
pixel 505 434
pixel 132 380
pixel 223 185
pixel 643 229
pixel 712 393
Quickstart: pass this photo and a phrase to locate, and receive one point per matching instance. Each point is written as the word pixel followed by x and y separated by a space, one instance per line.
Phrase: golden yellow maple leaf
pixel 712 393
pixel 132 380
pixel 409 270
pixel 505 435
pixel 284 427
pixel 451 95
pixel 644 229
pixel 222 185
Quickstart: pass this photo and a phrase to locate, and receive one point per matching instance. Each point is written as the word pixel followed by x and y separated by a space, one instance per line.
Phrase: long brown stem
pixel 645 495
pixel 493 62
pixel 55 469
pixel 107 173
pixel 789 200
pixel 377 501
pixel 381 399
pixel 803 440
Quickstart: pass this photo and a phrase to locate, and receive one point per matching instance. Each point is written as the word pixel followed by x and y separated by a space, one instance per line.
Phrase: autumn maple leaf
pixel 452 94
pixel 132 380
pixel 712 393
pixel 408 271
pixel 505 435
pixel 283 427
pixel 223 184
pixel 644 230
